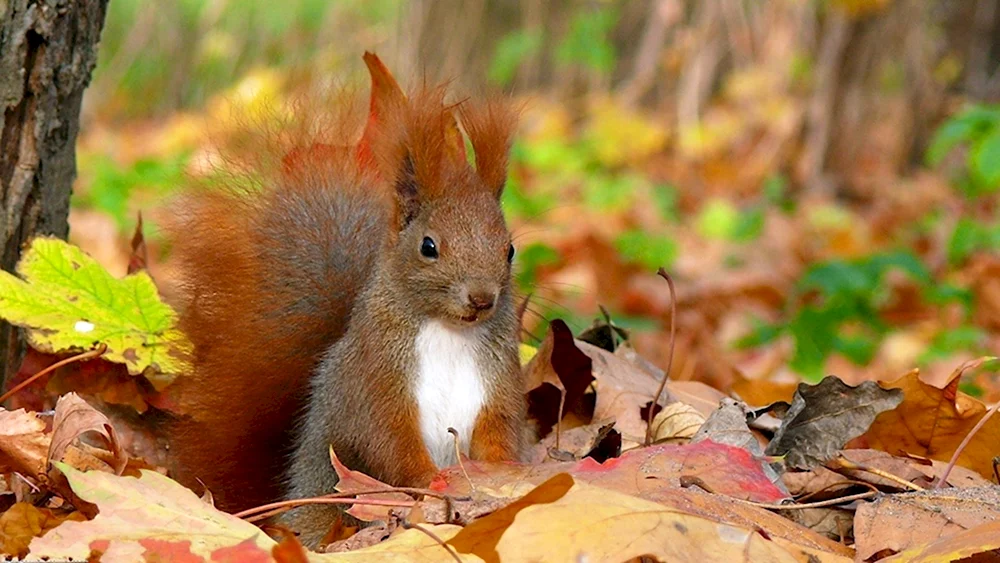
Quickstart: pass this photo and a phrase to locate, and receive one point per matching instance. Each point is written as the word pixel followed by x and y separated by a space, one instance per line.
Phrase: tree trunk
pixel 48 49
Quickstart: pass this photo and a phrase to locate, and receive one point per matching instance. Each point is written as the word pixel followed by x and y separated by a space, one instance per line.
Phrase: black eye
pixel 510 254
pixel 428 248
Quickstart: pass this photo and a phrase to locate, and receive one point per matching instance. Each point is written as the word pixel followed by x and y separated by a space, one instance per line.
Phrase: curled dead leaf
pixel 676 423
pixel 75 417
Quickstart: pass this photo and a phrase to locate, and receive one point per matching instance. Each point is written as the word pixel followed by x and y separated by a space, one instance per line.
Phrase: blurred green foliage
pixel 978 129
pixel 836 310
pixel 587 43
pixel 510 52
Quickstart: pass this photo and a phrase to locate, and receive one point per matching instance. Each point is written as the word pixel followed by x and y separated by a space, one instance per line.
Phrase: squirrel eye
pixel 428 248
pixel 510 254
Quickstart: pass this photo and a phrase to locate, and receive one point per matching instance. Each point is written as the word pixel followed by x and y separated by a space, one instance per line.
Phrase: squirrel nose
pixel 482 300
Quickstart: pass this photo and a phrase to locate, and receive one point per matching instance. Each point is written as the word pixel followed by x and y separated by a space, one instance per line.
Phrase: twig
pixel 458 456
pixel 670 357
pixel 837 484
pixel 347 495
pixel 965 442
pixel 818 504
pixel 99 351
pixel 289 504
pixel 562 405
pixel 433 536
pixel 845 463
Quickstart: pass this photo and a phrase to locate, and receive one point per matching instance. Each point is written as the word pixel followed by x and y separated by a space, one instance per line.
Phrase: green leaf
pixel 749 226
pixel 965 239
pixel 510 52
pixel 947 138
pixel 717 219
pixel 986 161
pixel 68 302
pixel 649 250
pixel 530 260
pixel 963 128
pixel 587 42
pixel 666 198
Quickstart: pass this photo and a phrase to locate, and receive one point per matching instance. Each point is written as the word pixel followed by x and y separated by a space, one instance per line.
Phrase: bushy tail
pixel 269 272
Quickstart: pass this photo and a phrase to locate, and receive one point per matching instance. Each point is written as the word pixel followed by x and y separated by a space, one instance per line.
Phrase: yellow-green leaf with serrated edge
pixel 68 302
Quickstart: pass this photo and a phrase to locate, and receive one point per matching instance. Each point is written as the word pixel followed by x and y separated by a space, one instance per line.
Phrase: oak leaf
pixel 932 422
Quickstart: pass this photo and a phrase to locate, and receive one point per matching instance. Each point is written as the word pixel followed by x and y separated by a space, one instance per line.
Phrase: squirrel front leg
pixel 393 452
pixel 497 434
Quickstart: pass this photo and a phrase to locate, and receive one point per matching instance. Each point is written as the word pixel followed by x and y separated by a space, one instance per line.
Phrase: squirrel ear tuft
pixel 385 108
pixel 491 125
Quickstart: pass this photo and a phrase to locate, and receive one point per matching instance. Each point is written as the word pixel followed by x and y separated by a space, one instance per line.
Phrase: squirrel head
pixel 450 252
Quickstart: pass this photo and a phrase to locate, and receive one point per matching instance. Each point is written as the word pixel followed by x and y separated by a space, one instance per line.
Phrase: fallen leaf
pixel 963 546
pixel 728 425
pixel 905 520
pixel 73 418
pixel 676 423
pixel 349 481
pixel 24 445
pixel 151 507
pixel 761 392
pixel 825 416
pixel 22 522
pixel 566 520
pixel 67 301
pixel 576 442
pixel 932 422
pixel 558 367
pixel 651 473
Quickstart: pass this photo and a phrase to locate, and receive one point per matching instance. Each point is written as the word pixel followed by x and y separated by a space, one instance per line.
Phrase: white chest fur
pixel 449 388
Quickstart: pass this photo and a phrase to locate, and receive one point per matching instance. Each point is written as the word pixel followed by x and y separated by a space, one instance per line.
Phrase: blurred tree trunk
pixel 48 49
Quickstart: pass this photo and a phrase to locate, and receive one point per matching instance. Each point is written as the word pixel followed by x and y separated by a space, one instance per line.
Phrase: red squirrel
pixel 360 298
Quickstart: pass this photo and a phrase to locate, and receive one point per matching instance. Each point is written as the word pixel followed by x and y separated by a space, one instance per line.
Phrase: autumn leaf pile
pixel 894 470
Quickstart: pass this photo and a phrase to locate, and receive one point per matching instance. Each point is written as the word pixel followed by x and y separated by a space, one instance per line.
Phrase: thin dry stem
pixel 289 504
pixel 458 456
pixel 346 495
pixel 962 446
pixel 670 356
pixel 562 405
pixel 99 351
pixel 845 463
pixel 838 484
pixel 434 537
pixel 818 504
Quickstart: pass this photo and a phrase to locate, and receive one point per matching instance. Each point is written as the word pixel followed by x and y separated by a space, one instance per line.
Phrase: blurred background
pixel 819 177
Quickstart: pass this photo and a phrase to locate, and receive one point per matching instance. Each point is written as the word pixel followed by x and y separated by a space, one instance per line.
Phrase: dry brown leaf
pixel 762 392
pixel 23 521
pixel 24 445
pixel 902 521
pixel 622 390
pixel 676 423
pixel 932 422
pixel 575 441
pixel 350 481
pixel 75 417
pixel 824 417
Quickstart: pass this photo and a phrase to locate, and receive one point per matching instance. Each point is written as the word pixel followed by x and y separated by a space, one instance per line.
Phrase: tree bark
pixel 48 49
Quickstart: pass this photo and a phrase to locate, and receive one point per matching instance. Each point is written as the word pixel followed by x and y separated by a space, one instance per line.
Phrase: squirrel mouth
pixel 470 318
